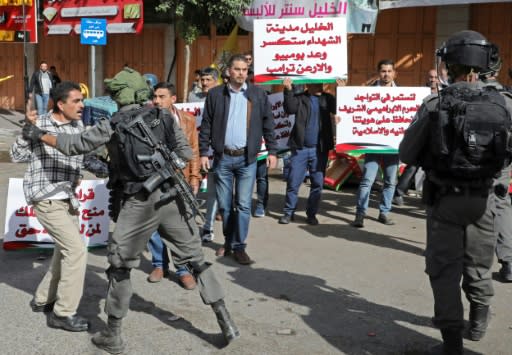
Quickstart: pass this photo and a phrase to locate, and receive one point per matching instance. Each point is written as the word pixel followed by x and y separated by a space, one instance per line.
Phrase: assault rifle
pixel 168 166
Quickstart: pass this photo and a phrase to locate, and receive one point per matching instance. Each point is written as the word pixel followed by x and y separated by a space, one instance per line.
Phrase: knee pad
pixel 118 273
pixel 198 268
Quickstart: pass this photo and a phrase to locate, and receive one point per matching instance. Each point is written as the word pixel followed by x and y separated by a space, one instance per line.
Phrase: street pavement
pixel 326 289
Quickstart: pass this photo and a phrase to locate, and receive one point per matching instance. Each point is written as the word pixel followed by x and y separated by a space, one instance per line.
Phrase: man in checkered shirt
pixel 49 185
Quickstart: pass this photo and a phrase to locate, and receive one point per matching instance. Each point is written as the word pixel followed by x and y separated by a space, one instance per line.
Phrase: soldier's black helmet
pixel 470 49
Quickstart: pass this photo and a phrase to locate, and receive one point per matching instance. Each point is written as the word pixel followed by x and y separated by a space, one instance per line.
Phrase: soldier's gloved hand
pixel 32 133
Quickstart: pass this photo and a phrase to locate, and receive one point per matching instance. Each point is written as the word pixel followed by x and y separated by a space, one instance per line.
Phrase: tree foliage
pixel 190 15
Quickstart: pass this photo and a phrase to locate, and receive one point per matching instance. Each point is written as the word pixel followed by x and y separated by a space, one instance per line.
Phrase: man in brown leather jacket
pixel 165 97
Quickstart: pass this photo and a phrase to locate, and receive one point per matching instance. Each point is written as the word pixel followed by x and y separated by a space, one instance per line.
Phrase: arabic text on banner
pixel 22 226
pixel 376 117
pixel 390 4
pixel 307 50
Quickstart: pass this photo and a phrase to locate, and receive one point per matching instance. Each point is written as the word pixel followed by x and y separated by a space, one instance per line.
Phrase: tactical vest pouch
pixel 470 134
pixel 132 143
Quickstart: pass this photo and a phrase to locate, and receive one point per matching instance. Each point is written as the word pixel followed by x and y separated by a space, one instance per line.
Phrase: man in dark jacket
pixel 235 117
pixel 41 83
pixel 310 140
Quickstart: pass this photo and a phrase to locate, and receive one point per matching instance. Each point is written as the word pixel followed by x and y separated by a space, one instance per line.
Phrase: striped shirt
pixel 50 174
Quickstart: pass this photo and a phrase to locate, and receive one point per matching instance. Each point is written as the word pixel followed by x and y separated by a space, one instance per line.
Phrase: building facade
pixel 409 36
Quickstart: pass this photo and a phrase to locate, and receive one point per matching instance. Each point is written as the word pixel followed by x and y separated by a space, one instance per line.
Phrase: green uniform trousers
pixel 138 219
pixel 460 245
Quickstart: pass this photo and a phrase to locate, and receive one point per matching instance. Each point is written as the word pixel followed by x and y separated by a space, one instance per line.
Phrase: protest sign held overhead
pixel 307 50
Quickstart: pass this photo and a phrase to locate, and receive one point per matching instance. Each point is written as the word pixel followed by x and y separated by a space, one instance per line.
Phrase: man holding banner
pixel 310 140
pixel 386 70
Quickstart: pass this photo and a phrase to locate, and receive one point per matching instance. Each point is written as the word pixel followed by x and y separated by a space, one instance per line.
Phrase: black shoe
pixel 73 323
pixel 312 221
pixel 285 219
pixel 479 316
pixel 46 308
pixel 398 200
pixel 384 219
pixel 358 221
pixel 506 271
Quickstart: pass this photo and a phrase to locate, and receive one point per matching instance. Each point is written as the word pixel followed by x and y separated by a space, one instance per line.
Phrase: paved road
pixel 326 289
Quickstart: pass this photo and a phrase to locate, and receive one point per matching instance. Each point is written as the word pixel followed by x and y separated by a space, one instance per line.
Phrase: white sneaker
pixel 207 236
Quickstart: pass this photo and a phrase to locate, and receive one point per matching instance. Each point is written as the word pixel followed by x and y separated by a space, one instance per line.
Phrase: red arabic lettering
pixel 88 214
pixel 25 211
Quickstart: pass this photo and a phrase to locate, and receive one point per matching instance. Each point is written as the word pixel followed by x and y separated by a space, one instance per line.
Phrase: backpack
pixel 470 134
pixel 129 141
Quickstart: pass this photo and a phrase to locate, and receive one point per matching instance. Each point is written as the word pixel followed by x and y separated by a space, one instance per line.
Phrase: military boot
pixel 228 327
pixel 110 339
pixel 452 341
pixel 479 316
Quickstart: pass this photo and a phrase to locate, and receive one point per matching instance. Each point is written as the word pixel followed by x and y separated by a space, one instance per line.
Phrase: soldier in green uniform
pixel 460 206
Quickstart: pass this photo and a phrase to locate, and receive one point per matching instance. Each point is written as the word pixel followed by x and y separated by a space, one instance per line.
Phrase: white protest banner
pixel 390 4
pixel 194 108
pixel 283 121
pixel 307 50
pixel 23 230
pixel 375 118
pixel 361 14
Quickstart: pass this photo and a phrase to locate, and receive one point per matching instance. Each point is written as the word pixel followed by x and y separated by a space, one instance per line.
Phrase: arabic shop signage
pixel 13 23
pixel 376 116
pixel 23 230
pixel 64 17
pixel 307 50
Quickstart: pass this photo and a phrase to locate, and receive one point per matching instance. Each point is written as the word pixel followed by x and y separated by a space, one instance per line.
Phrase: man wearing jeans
pixel 41 84
pixel 389 162
pixel 235 118
pixel 310 140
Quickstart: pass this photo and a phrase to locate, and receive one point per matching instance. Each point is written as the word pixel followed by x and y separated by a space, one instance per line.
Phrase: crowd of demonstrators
pixel 236 116
pixel 142 209
pixel 465 202
pixel 49 185
pixel 310 141
pixel 389 162
pixel 165 97
pixel 463 222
